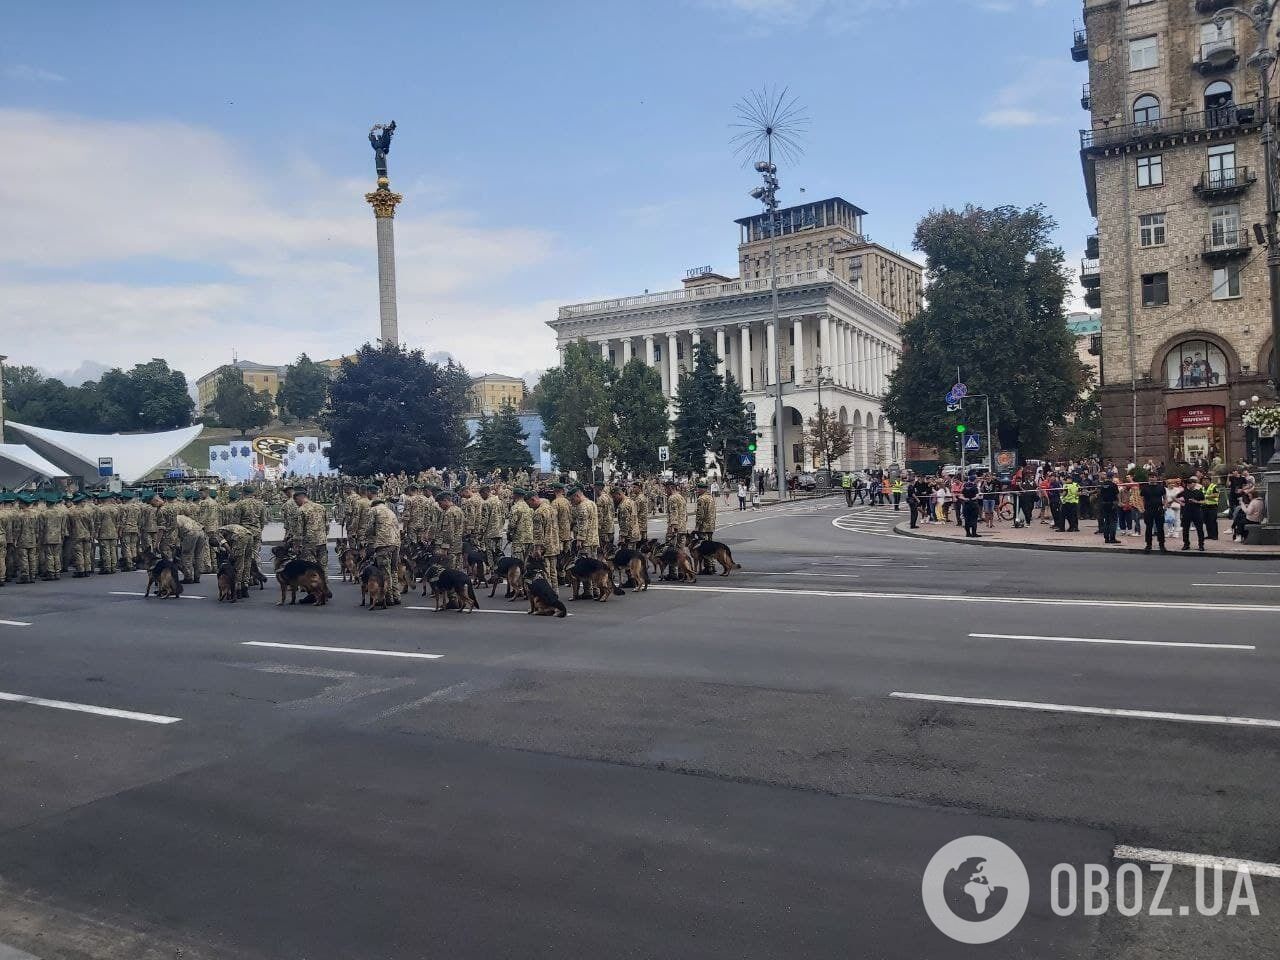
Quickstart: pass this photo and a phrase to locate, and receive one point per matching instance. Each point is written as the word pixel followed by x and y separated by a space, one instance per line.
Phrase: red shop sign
pixel 1181 417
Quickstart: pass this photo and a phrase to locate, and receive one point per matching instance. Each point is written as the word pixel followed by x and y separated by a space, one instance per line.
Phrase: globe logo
pixel 975 889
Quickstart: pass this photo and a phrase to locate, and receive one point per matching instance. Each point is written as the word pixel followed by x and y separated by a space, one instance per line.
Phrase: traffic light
pixel 751 444
pixel 961 428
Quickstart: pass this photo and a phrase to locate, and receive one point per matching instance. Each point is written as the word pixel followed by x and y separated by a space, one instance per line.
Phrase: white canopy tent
pixel 133 455
pixel 20 465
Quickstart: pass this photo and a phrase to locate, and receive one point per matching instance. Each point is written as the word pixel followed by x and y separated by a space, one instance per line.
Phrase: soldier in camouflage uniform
pixel 491 525
pixel 238 542
pixel 26 538
pixel 564 521
pixel 358 521
pixel 147 524
pixel 414 514
pixel 80 533
pixel 604 511
pixel 520 524
pixel 166 521
pixel 382 532
pixel 127 523
pixel 546 531
pixel 312 542
pixel 209 517
pixel 6 534
pixel 453 523
pixel 432 514
pixel 289 515
pixel 586 523
pixel 624 509
pixel 677 521
pixel 471 510
pixel 108 531
pixel 641 501
pixel 192 544
pixel 704 521
pixel 53 532
pixel 251 513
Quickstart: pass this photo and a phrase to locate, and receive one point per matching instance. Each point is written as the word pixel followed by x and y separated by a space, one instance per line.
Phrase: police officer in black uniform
pixel 1153 511
pixel 970 495
pixel 1192 513
pixel 1108 505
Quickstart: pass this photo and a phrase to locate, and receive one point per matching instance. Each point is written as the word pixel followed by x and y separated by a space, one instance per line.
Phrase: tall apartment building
pixel 1173 173
pixel 492 391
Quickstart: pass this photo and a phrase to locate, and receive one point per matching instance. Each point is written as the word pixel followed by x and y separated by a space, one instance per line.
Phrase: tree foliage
pixel 640 416
pixel 1081 436
pixel 238 405
pixel 305 389
pixel 151 396
pixel 391 409
pixel 499 443
pixel 573 396
pixel 710 415
pixel 826 437
pixel 995 311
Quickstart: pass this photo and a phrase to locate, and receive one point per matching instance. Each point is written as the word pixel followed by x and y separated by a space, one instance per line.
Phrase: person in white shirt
pixel 742 495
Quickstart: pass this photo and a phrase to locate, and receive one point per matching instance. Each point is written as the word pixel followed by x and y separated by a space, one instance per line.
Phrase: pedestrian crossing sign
pixel 972 442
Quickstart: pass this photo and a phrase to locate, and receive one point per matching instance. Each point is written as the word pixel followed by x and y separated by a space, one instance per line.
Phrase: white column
pixel 560 350
pixel 604 349
pixel 797 354
pixel 626 350
pixel 695 338
pixel 824 335
pixel 841 337
pixel 860 362
pixel 720 367
pixel 648 349
pixel 770 343
pixel 744 335
pixel 672 366
pixel 879 368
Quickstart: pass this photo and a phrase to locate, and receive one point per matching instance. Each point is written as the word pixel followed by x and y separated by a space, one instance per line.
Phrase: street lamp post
pixel 1261 15
pixel 3 358
pixel 768 195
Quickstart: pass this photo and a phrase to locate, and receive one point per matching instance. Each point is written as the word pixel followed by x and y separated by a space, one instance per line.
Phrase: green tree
pixel 500 443
pixel 305 388
pixel 1081 436
pixel 710 416
pixel 238 405
pixel 826 437
pixel 640 415
pixel 575 395
pixel 996 290
pixel 149 397
pixel 391 409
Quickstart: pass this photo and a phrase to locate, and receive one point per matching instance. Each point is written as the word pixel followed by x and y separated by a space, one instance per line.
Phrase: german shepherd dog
pixel 475 560
pixel 634 563
pixel 308 575
pixel 706 551
pixel 676 562
pixel 510 569
pixel 453 589
pixel 226 580
pixel 374 587
pixel 166 576
pixel 406 573
pixel 591 578
pixel 543 600
pixel 349 563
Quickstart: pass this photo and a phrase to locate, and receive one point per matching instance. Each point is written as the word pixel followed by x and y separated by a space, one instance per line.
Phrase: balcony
pixel 1080 45
pixel 1228 116
pixel 1095 344
pixel 1090 274
pixel 1093 298
pixel 1086 101
pixel 1217 55
pixel 1220 184
pixel 1223 245
pixel 1091 247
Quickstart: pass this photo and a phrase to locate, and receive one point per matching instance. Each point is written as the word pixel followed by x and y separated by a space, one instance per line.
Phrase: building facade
pixel 257 376
pixel 489 393
pixel 837 343
pixel 1086 328
pixel 1173 173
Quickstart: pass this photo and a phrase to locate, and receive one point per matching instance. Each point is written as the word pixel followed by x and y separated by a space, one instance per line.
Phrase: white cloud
pixel 1039 87
pixel 281 265
pixel 761 16
pixel 25 73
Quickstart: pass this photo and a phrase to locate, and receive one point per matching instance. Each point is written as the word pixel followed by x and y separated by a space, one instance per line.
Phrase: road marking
pixel 13 953
pixel 1093 711
pixel 1244 573
pixel 959 598
pixel 140 593
pixel 804 573
pixel 14 623
pixel 432 609
pixel 372 653
pixel 1257 868
pixel 1242 586
pixel 1135 643
pixel 88 708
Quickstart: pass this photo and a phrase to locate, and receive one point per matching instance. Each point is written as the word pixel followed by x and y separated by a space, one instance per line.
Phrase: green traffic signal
pixel 751 447
pixel 961 428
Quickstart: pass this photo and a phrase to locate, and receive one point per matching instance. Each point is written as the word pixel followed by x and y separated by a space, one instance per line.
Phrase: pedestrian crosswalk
pixel 875 521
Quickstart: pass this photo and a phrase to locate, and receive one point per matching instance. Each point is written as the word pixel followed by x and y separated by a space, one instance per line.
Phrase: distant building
pixel 1086 327
pixel 532 425
pixel 257 376
pixel 489 393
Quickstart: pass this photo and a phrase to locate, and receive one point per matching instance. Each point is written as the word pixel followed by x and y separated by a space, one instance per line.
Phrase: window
pixel 1224 227
pixel 1213 36
pixel 1150 171
pixel 1222 165
pixel 1143 54
pixel 791 337
pixel 1195 364
pixel 1151 230
pixel 1155 289
pixel 1226 282
pixel 1146 109
pixel 657 353
pixel 1219 105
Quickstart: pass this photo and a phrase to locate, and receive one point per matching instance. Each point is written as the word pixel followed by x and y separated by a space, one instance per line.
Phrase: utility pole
pixel 768 195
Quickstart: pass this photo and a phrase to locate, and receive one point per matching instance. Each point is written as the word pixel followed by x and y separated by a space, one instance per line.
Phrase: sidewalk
pixel 1043 537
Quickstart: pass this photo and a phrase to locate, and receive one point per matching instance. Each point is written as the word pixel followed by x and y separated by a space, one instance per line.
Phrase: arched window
pixel 1146 109
pixel 1195 364
pixel 1219 104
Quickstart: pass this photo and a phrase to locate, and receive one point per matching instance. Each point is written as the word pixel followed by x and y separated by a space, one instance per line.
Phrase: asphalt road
pixel 753 766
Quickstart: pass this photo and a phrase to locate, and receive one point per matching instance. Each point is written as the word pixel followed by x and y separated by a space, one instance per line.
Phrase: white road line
pixel 13 953
pixel 804 573
pixel 1242 586
pixel 14 623
pixel 959 598
pixel 1135 643
pixel 372 653
pixel 432 609
pixel 1093 711
pixel 87 708
pixel 140 593
pixel 1257 868
pixel 1244 573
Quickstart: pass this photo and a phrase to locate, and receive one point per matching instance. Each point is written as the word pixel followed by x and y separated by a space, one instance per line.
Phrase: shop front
pixel 1197 433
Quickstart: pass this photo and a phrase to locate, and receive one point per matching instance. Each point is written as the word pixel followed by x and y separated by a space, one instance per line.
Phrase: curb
pixel 906 531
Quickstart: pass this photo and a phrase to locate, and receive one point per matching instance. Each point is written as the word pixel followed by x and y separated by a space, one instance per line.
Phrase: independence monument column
pixel 384 203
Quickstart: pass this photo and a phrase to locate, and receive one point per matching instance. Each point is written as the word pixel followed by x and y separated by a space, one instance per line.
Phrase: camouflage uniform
pixel 289 518
pixel 453 522
pixel 520 528
pixel 642 511
pixel 704 521
pixel 129 517
pixel 546 531
pixel 109 535
pixel 166 527
pixel 382 532
pixel 148 523
pixel 239 541
pixel 586 524
pixel 313 533
pixel 192 543
pixel 80 532
pixel 432 515
pixel 26 539
pixel 628 527
pixel 677 522
pixel 54 529
pixel 471 525
pixel 209 516
pixel 358 521
pixel 490 528
pixel 604 511
pixel 251 513
pixel 414 516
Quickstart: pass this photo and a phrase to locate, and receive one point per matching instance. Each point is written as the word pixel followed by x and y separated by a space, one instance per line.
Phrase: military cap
pixel 702 484
pixel 300 491
pixel 555 486
pixel 412 487
pixel 233 493
pixel 433 488
pixel 520 491
pixel 572 490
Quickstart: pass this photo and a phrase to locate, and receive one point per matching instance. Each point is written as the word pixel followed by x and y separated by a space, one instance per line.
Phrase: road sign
pixel 1006 460
pixel 953 407
pixel 952 398
pixel 748 460
pixel 960 390
pixel 592 452
pixel 973 442
pixel 106 467
pixel 591 433
pixel 664 454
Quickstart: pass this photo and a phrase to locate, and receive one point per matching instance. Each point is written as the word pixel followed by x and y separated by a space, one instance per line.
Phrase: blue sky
pixel 184 180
